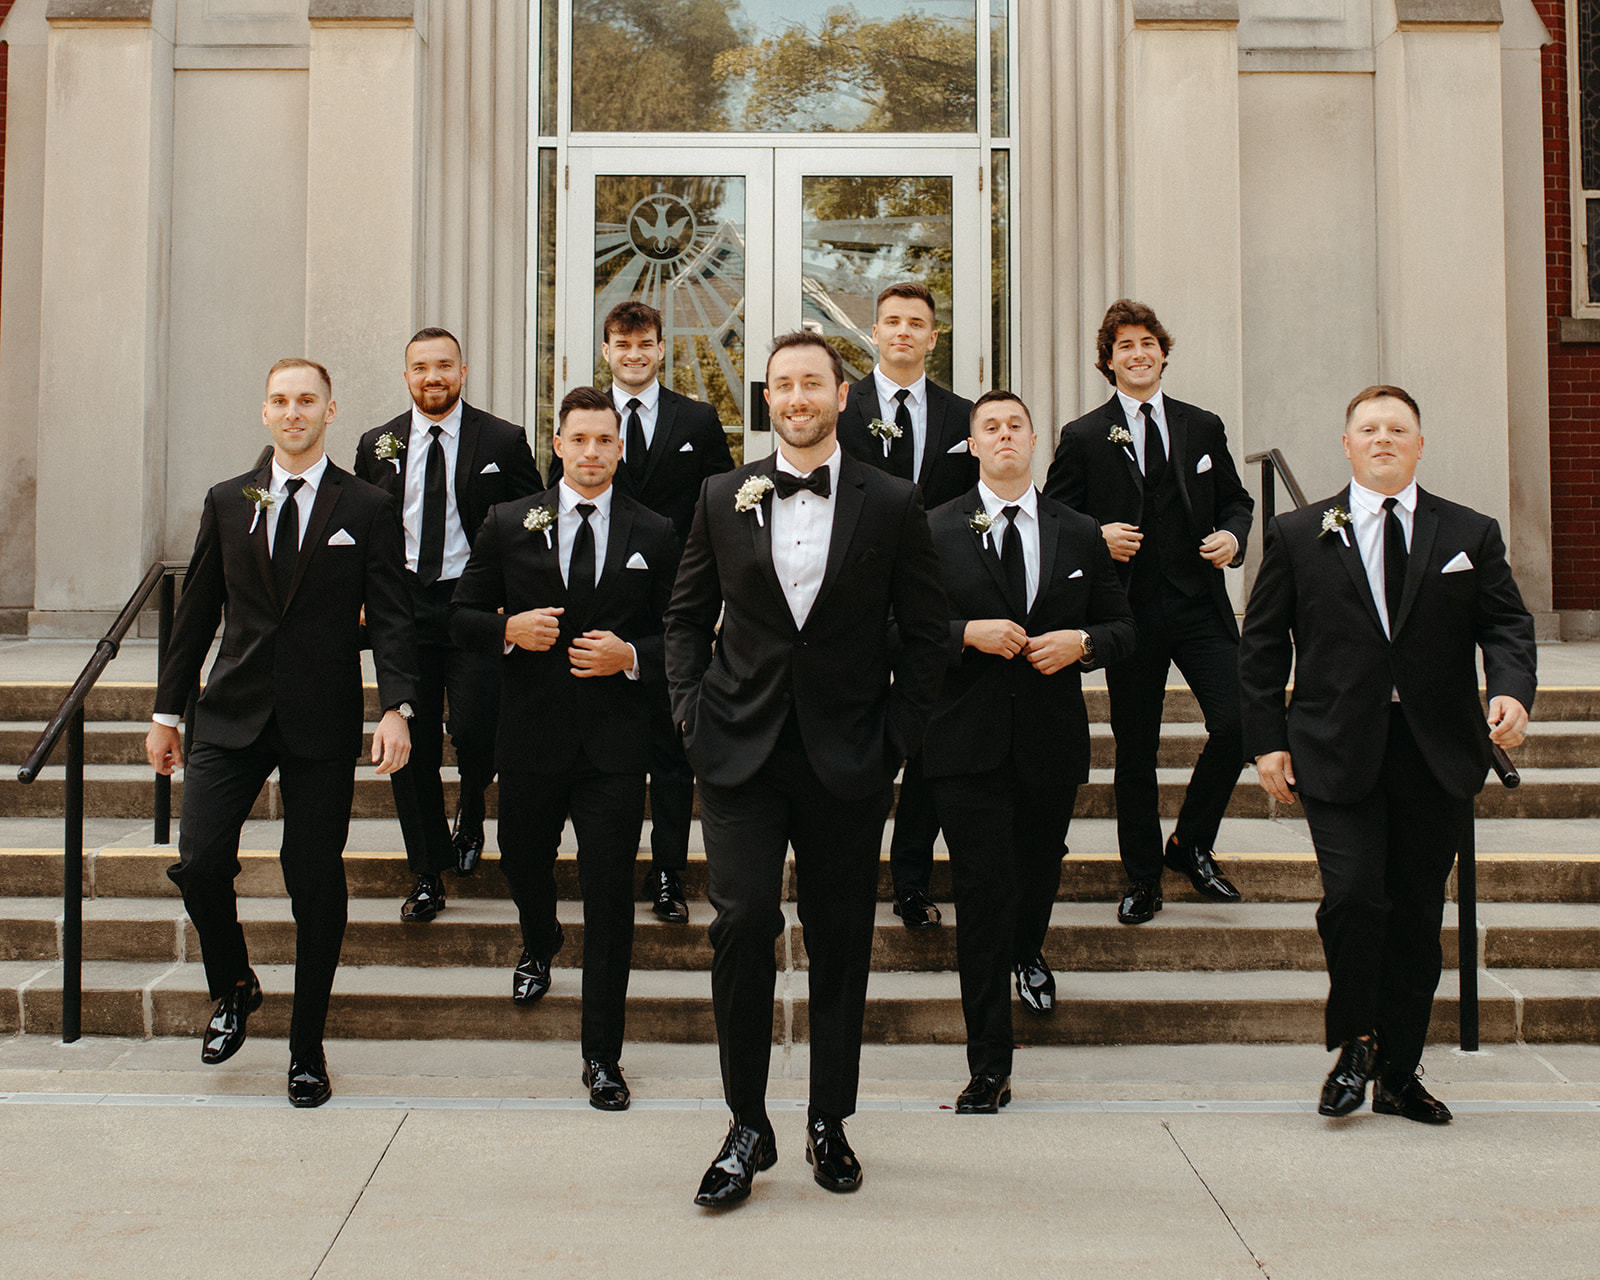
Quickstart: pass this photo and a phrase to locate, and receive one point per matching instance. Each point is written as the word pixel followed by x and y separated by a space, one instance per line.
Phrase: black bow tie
pixel 819 482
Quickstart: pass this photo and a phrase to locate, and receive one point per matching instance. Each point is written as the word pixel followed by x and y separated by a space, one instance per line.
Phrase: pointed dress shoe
pixel 916 910
pixel 834 1166
pixel 1200 865
pixel 1141 902
pixel 467 838
pixel 1408 1098
pixel 746 1151
pixel 426 900
pixel 1345 1089
pixel 308 1078
pixel 531 978
pixel 984 1095
pixel 226 1030
pixel 667 898
pixel 608 1091
pixel 1036 985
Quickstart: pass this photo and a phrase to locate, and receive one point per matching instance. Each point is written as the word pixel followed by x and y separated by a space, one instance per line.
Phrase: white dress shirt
pixel 1367 520
pixel 568 518
pixel 1027 530
pixel 456 549
pixel 649 411
pixel 1132 410
pixel 802 528
pixel 916 402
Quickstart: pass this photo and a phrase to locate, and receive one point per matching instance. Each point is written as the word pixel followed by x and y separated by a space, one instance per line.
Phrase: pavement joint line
pixel 356 1203
pixel 1226 1216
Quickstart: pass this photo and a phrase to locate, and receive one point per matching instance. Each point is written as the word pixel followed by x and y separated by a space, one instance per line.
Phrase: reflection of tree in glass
pixel 915 73
pixel 643 64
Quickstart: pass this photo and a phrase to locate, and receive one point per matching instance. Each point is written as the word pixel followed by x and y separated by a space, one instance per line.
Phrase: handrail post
pixel 163 796
pixel 1467 935
pixel 1269 491
pixel 72 887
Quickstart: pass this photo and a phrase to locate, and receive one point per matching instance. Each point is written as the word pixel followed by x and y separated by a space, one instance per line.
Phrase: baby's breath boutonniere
pixel 1120 435
pixel 262 501
pixel 1336 518
pixel 388 449
pixel 749 496
pixel 540 520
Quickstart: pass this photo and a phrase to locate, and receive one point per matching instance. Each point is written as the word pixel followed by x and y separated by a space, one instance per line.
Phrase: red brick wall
pixel 1574 369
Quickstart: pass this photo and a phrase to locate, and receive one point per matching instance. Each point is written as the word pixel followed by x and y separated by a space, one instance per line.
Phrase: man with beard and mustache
pixel 446 464
pixel 796 732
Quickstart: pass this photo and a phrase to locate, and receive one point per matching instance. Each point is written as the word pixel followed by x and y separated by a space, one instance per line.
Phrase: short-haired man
pixel 1034 601
pixel 287 557
pixel 901 421
pixel 446 463
pixel 671 445
pixel 565 592
pixel 1379 598
pixel 797 714
pixel 1158 477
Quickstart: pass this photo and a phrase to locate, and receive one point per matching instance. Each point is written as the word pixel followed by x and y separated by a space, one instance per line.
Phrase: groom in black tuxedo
pixel 796 716
pixel 1378 598
pixel 287 557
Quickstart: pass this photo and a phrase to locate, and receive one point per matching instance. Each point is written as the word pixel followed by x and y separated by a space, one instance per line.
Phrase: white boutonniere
pixel 262 501
pixel 388 449
pixel 980 522
pixel 1120 435
pixel 749 496
pixel 1336 518
pixel 888 432
pixel 540 520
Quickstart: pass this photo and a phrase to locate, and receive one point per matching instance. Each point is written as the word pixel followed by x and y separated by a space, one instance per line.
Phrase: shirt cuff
pixel 633 672
pixel 163 718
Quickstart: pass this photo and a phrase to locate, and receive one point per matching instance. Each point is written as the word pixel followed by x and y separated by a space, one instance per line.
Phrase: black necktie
pixel 286 541
pixel 1155 453
pixel 638 451
pixel 902 451
pixel 1011 561
pixel 580 569
pixel 430 543
pixel 1395 557
pixel 819 482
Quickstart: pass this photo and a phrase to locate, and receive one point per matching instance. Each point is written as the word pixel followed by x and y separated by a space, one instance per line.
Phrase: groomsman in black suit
pixel 1378 598
pixel 1034 601
pixel 1158 477
pixel 920 434
pixel 671 446
pixel 446 464
pixel 796 716
pixel 565 592
pixel 287 558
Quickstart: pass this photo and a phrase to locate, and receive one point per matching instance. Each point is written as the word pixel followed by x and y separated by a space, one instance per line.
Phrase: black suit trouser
pixel 219 787
pixel 472 681
pixel 671 787
pixel 607 811
pixel 837 844
pixel 1385 862
pixel 1006 844
pixel 916 827
pixel 1188 631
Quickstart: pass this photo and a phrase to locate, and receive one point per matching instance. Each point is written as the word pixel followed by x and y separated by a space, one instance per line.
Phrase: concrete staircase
pixel 1198 973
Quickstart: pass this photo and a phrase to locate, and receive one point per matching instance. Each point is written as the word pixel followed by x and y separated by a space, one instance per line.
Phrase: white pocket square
pixel 490 470
pixel 1458 563
pixel 1204 465
pixel 636 561
pixel 341 539
pixel 688 447
pixel 960 446
pixel 1076 573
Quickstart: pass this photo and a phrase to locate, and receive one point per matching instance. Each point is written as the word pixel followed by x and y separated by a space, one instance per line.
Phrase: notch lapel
pixel 1114 418
pixel 1354 565
pixel 321 509
pixel 1049 534
pixel 258 537
pixel 666 419
pixel 1424 527
pixel 616 545
pixel 985 551
pixel 1178 448
pixel 933 441
pixel 466 459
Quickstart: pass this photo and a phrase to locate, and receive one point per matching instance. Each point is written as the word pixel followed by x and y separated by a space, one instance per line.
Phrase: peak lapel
pixel 616 548
pixel 1424 527
pixel 1049 533
pixel 847 505
pixel 466 459
pixel 321 509
pixel 1178 448
pixel 983 544
pixel 258 537
pixel 761 532
pixel 1350 556
pixel 1114 418
pixel 661 441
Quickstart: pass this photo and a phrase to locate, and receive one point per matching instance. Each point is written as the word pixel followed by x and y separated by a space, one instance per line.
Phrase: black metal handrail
pixel 1272 460
pixel 69 719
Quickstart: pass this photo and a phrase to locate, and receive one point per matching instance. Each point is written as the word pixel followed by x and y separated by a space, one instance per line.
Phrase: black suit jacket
pixel 300 662
pixel 547 713
pixel 1102 479
pixel 688 447
pixel 944 476
pixel 733 687
pixel 493 464
pixel 1312 606
pixel 991 711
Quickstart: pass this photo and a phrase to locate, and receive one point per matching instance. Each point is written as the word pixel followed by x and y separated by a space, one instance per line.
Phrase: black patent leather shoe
pixel 531 979
pixel 1140 903
pixel 608 1091
pixel 746 1151
pixel 425 902
pixel 308 1079
pixel 1201 868
pixel 916 910
pixel 833 1165
pixel 1408 1098
pixel 1036 985
pixel 984 1095
pixel 226 1030
pixel 667 898
pixel 467 837
pixel 1345 1089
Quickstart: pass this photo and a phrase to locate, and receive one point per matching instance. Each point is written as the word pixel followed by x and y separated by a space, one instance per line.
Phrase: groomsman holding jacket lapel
pixel 1034 601
pixel 1158 477
pixel 931 449
pixel 565 591
pixel 1378 599
pixel 446 463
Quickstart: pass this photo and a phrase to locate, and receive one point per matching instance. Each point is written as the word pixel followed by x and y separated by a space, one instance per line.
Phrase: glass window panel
pixel 859 235
pixel 1589 91
pixel 999 68
pixel 763 66
pixel 1000 268
pixel 545 311
pixel 1594 250
pixel 678 244
pixel 549 16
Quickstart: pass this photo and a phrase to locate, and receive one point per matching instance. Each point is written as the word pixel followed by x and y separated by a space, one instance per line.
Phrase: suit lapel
pixel 666 419
pixel 616 546
pixel 1350 554
pixel 466 459
pixel 1178 447
pixel 933 442
pixel 1424 527
pixel 983 544
pixel 1049 532
pixel 847 506
pixel 1115 419
pixel 321 509
pixel 258 536
pixel 761 532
